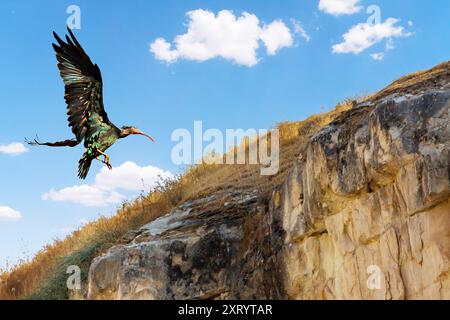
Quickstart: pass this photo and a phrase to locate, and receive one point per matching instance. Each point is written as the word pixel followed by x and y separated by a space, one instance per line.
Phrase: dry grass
pixel 294 137
pixel 413 83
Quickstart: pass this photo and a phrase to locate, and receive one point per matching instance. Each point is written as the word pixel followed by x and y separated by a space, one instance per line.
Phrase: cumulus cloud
pixel 13 149
pixel 364 35
pixel 87 195
pixel 163 50
pixel 340 7
pixel 234 38
pixel 276 36
pixel 105 190
pixel 8 214
pixel 130 176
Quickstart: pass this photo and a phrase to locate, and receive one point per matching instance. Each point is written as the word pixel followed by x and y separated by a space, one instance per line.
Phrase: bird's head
pixel 126 131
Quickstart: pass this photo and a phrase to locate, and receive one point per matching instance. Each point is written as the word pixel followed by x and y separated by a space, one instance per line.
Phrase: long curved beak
pixel 145 135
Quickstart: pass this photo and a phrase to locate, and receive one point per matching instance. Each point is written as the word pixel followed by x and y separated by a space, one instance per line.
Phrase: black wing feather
pixel 83 85
pixel 83 167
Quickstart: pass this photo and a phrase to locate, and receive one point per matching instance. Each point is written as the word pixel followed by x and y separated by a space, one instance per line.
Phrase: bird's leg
pixel 101 160
pixel 106 157
pixel 98 157
pixel 108 164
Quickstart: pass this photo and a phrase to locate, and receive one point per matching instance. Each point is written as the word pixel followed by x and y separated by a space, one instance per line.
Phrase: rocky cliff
pixel 364 214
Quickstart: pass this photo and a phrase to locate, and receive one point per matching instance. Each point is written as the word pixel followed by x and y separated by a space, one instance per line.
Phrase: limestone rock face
pixel 365 214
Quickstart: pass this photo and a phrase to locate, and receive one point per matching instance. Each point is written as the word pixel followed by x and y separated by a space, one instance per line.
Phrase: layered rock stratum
pixel 364 214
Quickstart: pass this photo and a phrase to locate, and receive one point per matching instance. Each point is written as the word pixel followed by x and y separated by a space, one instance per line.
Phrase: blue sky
pixel 289 75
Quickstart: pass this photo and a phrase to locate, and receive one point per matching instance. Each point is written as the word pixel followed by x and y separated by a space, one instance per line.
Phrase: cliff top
pixel 414 83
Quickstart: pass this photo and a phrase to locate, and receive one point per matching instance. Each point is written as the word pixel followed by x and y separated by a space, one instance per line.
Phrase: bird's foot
pixel 105 161
pixel 35 142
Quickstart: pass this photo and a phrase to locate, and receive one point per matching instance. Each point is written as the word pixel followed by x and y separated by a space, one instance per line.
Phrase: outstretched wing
pixel 83 86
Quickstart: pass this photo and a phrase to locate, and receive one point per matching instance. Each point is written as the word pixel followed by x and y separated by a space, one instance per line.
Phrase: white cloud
pixel 8 214
pixel 235 38
pixel 364 35
pixel 105 190
pixel 130 176
pixel 340 7
pixel 163 51
pixel 276 36
pixel 410 23
pixel 298 29
pixel 13 149
pixel 378 56
pixel 89 196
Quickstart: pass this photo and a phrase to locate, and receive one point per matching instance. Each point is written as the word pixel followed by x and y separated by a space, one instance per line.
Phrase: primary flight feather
pixel 86 113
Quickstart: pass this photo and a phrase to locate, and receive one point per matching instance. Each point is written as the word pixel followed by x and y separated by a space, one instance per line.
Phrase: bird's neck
pixel 123 133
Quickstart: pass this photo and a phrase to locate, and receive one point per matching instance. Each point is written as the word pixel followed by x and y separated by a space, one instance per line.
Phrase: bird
pixel 85 110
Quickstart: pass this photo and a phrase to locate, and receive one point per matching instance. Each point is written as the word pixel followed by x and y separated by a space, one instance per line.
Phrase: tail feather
pixel 65 143
pixel 83 167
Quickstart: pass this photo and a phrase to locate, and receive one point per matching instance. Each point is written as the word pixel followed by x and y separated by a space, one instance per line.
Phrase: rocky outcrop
pixel 365 214
pixel 372 199
pixel 194 253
